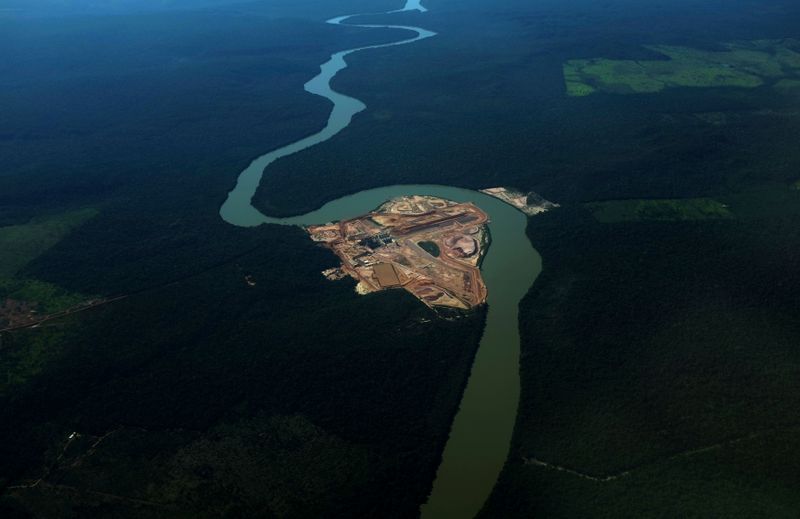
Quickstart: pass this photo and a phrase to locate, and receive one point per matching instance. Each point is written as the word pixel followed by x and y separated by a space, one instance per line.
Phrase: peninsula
pixel 429 246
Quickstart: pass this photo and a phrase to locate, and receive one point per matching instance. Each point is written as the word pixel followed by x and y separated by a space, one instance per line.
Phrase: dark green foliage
pixel 211 350
pixel 150 118
pixel 491 110
pixel 280 467
pixel 115 109
pixel 660 209
pixel 664 350
pixel 667 349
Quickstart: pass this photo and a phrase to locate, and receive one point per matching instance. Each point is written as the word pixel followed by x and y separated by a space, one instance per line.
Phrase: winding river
pixel 481 432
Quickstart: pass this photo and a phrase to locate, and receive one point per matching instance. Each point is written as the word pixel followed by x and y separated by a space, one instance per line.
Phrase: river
pixel 481 432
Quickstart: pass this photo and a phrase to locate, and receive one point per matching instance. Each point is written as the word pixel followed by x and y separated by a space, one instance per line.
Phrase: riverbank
pixel 481 432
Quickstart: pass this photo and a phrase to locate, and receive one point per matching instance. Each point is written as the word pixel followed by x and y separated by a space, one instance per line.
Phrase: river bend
pixel 481 432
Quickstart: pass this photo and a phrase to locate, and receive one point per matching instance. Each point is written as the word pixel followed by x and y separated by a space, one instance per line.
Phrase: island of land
pixel 429 246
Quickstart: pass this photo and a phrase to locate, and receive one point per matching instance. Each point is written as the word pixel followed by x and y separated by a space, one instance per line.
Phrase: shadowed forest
pixel 218 374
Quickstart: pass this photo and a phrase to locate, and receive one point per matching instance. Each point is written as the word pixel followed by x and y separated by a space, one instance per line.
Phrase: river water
pixel 481 432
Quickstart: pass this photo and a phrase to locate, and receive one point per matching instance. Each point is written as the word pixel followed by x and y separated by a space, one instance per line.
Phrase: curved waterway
pixel 481 432
pixel 237 209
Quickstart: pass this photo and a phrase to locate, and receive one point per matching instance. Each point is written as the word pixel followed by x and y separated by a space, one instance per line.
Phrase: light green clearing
pixel 743 64
pixel 33 351
pixel 19 244
pixel 664 210
pixel 48 297
pixel 795 185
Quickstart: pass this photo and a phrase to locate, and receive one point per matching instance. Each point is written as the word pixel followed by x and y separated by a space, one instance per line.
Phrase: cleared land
pixel 25 301
pixel 530 203
pixel 426 245
pixel 19 244
pixel 742 64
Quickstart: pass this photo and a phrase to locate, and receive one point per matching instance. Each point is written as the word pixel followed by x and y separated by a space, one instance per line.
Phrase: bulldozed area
pixel 429 246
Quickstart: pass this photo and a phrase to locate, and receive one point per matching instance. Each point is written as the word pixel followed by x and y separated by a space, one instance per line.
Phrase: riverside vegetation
pixel 659 365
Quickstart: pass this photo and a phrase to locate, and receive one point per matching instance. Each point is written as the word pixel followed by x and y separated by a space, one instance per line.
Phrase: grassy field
pixel 744 65
pixel 20 244
pixel 47 297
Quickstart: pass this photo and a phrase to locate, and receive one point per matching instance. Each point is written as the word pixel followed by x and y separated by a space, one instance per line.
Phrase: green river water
pixel 481 432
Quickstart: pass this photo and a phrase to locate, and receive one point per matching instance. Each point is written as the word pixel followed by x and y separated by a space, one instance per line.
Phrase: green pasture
pixel 742 64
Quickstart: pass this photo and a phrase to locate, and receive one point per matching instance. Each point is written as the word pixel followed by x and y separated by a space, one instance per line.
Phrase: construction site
pixel 428 246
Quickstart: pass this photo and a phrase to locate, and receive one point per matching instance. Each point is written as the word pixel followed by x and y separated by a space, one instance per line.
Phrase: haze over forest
pixel 170 347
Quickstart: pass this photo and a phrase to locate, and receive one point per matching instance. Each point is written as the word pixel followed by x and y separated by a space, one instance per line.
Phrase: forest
pixel 225 344
pixel 660 367
pixel 228 378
